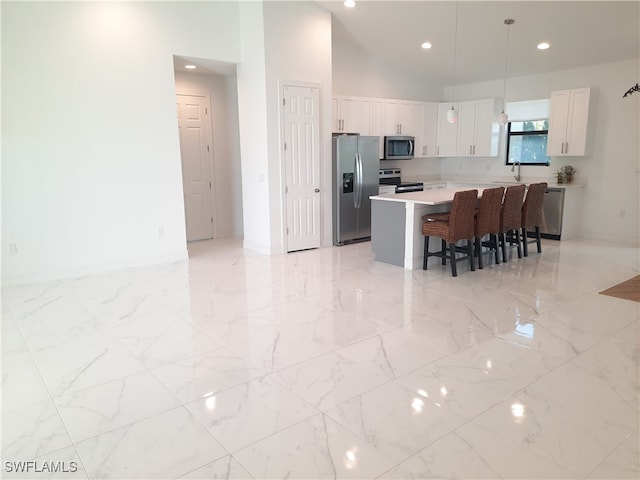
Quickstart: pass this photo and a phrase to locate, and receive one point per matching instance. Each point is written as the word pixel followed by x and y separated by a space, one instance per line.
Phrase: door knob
pixel 317 190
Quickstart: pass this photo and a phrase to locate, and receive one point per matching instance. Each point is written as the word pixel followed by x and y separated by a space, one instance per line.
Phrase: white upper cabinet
pixel 478 130
pixel 398 117
pixel 447 133
pixel 568 122
pixel 346 114
pixel 372 119
pixel 426 126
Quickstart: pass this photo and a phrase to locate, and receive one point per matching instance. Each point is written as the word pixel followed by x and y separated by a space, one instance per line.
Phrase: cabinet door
pixel 406 118
pixel 487 130
pixel 350 113
pixel 391 117
pixel 447 132
pixel 335 114
pixel 418 126
pixel 376 127
pixel 429 129
pixel 576 140
pixel 558 119
pixel 466 128
pixel 364 118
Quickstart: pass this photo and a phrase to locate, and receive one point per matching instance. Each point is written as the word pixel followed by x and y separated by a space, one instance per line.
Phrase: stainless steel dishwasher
pixel 552 213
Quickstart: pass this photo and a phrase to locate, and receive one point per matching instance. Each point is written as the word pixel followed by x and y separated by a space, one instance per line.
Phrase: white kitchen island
pixel 396 224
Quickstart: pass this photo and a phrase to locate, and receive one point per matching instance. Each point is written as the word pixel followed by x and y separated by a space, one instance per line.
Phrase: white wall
pixel 223 93
pixel 357 72
pixel 90 151
pixel 254 139
pixel 298 49
pixel 611 207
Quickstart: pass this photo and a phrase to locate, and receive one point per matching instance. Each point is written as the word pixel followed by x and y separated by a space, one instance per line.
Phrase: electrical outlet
pixel 13 249
pixel 160 231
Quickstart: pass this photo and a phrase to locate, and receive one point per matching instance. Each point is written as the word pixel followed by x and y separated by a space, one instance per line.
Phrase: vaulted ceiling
pixel 581 33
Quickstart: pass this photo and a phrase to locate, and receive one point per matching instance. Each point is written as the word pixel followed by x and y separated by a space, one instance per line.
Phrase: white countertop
pixel 427 197
pixel 472 182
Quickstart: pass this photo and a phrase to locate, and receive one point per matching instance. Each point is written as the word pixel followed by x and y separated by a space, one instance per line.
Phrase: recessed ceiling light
pixel 190 67
pixel 426 45
pixel 543 45
pixel 349 3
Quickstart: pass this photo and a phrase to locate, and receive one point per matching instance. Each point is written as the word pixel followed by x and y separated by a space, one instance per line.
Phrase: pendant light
pixel 452 115
pixel 503 118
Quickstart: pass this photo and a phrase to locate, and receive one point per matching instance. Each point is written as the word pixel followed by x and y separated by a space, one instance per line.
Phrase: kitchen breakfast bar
pixel 396 224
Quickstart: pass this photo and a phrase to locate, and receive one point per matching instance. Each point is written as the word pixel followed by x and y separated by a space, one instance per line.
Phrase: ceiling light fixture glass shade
pixel 503 118
pixel 349 3
pixel 543 45
pixel 452 115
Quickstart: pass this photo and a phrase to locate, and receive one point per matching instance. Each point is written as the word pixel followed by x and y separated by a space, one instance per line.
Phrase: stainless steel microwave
pixel 398 148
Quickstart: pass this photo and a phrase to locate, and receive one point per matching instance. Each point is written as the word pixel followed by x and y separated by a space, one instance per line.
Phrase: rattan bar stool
pixel 452 227
pixel 487 222
pixel 511 219
pixel 532 216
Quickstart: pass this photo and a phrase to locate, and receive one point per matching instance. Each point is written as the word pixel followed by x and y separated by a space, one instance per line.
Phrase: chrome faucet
pixel 517 175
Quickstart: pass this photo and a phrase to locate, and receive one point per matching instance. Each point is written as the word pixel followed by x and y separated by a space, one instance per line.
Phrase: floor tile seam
pixel 316 411
pixel 231 457
pixel 516 445
pixel 55 406
pixel 507 438
pixel 73 444
pixel 574 359
pixel 131 424
pixel 128 424
pixel 186 358
pixel 482 305
pixel 251 444
pixel 609 455
pixel 577 406
pixel 204 427
pixel 550 398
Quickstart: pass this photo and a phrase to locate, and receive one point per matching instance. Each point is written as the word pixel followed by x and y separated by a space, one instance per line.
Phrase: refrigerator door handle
pixel 356 182
pixel 358 191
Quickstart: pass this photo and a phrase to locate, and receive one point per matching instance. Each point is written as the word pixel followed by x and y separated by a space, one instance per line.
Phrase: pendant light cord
pixel 455 53
pixel 508 22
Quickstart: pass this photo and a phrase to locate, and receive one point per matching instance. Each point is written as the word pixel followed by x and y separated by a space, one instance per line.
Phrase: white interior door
pixel 194 125
pixel 302 166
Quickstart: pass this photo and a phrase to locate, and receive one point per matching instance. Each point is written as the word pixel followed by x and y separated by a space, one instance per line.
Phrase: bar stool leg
pixel 454 268
pixel 479 252
pixel 426 253
pixel 525 242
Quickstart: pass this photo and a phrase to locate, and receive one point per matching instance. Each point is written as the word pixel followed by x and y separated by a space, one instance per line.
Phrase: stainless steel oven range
pixel 392 177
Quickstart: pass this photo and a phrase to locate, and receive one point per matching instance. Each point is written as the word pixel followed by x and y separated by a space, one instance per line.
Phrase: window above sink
pixel 527 142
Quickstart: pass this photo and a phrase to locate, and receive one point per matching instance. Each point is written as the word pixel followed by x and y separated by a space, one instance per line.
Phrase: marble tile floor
pixel 326 364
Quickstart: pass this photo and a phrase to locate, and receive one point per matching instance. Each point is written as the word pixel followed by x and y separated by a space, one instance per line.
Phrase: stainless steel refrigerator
pixel 355 178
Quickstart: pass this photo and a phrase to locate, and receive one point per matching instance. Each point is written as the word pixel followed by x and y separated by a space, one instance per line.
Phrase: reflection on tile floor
pixel 326 364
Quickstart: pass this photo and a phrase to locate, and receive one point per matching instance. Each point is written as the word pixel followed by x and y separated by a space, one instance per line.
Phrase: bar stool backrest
pixel 488 215
pixel 532 207
pixel 511 215
pixel 463 209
